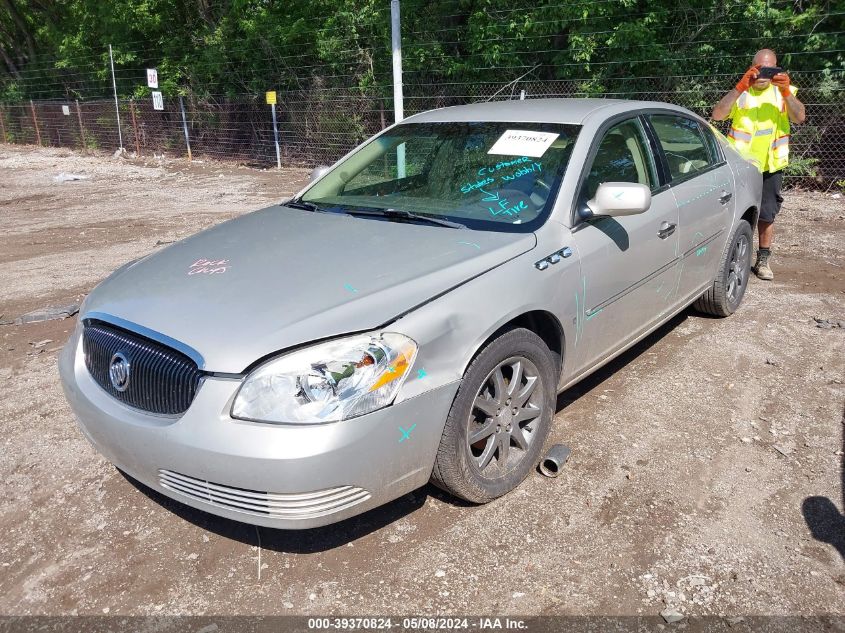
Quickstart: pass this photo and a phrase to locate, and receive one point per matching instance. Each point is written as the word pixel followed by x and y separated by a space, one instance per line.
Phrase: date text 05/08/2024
pixel 416 623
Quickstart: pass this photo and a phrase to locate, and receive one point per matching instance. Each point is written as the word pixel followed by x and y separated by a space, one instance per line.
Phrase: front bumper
pixel 281 476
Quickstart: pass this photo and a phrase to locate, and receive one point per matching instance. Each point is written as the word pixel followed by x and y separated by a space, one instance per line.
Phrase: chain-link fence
pixel 312 130
pixel 319 125
pixel 817 148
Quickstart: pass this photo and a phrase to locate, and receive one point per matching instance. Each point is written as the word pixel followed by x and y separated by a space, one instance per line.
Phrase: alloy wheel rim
pixel 505 416
pixel 738 271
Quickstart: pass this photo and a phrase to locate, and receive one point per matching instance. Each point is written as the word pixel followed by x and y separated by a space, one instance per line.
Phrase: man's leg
pixel 769 208
pixel 766 231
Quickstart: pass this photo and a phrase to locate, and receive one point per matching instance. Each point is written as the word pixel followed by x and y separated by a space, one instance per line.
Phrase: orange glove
pixel 748 78
pixel 781 80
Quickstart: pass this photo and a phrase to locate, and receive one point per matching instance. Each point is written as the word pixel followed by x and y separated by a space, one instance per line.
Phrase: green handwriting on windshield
pixel 503 165
pixel 523 171
pixel 524 166
pixel 503 205
pixel 467 187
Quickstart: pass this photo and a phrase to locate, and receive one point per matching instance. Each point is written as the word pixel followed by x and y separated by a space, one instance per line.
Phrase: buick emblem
pixel 119 372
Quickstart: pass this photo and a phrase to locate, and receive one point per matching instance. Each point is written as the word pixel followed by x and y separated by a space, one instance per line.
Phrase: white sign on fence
pixel 152 78
pixel 66 110
pixel 158 102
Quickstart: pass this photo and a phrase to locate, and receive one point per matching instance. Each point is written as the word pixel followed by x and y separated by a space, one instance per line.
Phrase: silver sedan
pixel 411 314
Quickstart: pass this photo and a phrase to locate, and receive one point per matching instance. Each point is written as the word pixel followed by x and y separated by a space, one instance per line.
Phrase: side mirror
pixel 616 199
pixel 318 172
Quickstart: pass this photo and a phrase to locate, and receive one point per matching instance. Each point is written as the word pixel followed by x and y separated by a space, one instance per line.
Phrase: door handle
pixel 666 229
pixel 725 197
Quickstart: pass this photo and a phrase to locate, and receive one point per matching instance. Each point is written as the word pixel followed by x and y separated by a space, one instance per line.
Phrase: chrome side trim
pixel 651 276
pixel 703 242
pixel 625 346
pixel 632 287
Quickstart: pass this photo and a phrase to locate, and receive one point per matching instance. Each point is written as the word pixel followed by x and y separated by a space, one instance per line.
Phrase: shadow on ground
pixel 826 522
pixel 339 534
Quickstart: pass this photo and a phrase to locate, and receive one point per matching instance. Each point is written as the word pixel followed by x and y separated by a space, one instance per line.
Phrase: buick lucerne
pixel 412 313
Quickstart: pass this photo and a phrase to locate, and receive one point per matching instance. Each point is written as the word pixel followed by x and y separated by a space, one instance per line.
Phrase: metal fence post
pixel 134 127
pixel 185 126
pixel 276 136
pixel 2 127
pixel 398 103
pixel 35 122
pixel 81 129
pixel 116 107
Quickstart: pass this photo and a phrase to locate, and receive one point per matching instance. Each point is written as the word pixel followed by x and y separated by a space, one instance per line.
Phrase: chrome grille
pixel 284 506
pixel 161 380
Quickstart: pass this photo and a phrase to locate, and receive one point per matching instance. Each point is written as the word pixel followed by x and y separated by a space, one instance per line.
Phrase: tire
pixel 512 451
pixel 724 296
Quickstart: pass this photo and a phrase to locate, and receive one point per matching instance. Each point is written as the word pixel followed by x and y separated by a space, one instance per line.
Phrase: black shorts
pixel 770 204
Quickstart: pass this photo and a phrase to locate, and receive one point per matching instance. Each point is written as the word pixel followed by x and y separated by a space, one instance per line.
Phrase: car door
pixel 703 186
pixel 626 262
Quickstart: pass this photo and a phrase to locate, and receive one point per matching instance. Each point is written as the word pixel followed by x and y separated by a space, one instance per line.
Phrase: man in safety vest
pixel 760 110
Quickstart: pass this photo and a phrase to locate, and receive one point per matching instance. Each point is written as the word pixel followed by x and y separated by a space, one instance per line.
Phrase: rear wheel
pixel 500 418
pixel 724 296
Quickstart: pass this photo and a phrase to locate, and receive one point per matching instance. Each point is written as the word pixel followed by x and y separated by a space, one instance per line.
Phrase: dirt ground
pixel 706 470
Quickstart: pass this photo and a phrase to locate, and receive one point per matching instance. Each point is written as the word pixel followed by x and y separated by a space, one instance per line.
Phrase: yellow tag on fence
pixel 271 97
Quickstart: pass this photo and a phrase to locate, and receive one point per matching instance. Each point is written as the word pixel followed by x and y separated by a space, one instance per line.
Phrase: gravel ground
pixel 706 470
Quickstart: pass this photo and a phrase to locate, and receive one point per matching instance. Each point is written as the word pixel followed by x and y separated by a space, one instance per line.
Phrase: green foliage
pixel 802 167
pixel 11 92
pixel 829 87
pixel 207 49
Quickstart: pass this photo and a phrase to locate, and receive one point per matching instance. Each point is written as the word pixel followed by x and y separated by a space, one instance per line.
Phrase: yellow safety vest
pixel 760 128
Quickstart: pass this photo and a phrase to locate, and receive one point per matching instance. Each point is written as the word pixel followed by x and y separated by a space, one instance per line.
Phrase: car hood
pixel 280 277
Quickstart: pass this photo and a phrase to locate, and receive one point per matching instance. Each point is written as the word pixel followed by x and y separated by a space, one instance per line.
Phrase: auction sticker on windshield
pixel 523 143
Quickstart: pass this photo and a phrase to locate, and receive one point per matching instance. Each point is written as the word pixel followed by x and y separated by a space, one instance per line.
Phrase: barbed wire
pixel 244 45
pixel 328 106
pixel 248 46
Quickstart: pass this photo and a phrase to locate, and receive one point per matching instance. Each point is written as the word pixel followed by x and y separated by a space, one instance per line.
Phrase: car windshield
pixel 484 175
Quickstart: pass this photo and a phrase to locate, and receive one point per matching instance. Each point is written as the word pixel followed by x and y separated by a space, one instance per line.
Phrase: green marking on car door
pixel 597 312
pixel 677 281
pixel 695 238
pixel 577 317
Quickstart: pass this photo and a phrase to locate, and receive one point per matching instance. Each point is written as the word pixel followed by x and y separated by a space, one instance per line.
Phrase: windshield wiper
pixel 400 214
pixel 301 204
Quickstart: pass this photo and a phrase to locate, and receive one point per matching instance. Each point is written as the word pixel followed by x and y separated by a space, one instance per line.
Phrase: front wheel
pixel 724 296
pixel 500 418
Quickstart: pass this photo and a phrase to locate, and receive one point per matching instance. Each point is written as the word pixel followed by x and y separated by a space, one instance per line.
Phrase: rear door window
pixel 716 156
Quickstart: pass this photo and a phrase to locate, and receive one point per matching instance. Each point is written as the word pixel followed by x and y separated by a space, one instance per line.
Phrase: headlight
pixel 327 382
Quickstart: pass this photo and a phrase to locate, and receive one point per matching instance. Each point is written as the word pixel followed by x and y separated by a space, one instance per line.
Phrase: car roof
pixel 573 111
